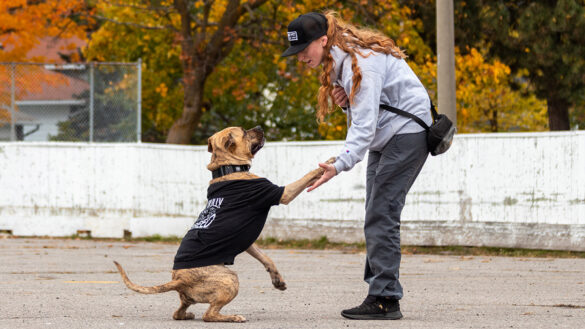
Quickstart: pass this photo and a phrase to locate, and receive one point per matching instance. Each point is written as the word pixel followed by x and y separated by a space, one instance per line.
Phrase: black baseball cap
pixel 303 30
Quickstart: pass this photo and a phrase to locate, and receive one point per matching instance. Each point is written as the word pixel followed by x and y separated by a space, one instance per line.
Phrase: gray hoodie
pixel 385 80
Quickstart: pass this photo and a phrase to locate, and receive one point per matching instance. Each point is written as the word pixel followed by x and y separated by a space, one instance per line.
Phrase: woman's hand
pixel 339 96
pixel 329 173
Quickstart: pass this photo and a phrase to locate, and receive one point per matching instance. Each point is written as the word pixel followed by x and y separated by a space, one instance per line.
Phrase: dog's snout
pixel 257 138
pixel 256 132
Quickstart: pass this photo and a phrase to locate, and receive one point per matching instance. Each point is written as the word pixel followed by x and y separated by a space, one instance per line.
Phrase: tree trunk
pixel 200 54
pixel 494 121
pixel 182 129
pixel 558 114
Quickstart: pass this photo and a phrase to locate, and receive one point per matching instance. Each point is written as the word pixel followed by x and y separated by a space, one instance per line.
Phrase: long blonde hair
pixel 351 40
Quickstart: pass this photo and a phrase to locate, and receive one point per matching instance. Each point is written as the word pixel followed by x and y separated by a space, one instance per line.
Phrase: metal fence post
pixel 139 102
pixel 91 91
pixel 12 101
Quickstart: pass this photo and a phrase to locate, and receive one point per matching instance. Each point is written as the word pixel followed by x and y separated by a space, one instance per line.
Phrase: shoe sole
pixel 386 316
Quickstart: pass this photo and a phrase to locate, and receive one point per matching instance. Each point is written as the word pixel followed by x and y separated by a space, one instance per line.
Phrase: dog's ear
pixel 209 146
pixel 229 143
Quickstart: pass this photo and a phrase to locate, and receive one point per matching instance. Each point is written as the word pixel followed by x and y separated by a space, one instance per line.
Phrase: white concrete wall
pixel 509 190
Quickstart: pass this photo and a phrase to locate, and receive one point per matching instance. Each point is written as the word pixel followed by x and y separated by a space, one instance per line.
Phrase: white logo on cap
pixel 292 36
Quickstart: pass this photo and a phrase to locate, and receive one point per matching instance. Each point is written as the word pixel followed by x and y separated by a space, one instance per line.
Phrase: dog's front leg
pixel 292 190
pixel 277 279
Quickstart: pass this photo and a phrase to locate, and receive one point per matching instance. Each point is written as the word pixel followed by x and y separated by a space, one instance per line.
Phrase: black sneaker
pixel 381 309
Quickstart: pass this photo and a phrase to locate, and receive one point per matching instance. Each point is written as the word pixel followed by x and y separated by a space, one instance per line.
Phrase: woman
pixel 370 68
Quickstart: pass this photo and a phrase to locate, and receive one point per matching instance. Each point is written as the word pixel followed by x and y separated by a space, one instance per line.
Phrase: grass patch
pixel 490 251
pixel 77 237
pixel 153 238
pixel 157 238
pixel 324 244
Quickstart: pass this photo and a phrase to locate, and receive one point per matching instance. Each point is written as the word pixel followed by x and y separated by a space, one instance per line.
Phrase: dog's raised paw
pixel 280 285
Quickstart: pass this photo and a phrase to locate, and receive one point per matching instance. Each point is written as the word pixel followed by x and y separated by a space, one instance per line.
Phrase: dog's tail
pixel 172 285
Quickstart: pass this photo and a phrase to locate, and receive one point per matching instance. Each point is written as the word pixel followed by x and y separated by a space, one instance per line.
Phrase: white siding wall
pixel 48 117
pixel 511 190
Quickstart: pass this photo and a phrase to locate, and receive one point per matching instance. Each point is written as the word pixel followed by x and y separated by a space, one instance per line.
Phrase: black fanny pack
pixel 439 134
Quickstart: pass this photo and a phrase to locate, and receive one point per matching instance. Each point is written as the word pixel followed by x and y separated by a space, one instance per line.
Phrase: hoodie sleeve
pixel 364 117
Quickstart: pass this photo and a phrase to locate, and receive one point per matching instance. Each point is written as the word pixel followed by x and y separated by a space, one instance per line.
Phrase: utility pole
pixel 446 59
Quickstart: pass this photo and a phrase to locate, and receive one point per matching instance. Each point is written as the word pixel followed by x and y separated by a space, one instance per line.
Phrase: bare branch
pixel 222 40
pixel 250 11
pixel 205 23
pixel 227 21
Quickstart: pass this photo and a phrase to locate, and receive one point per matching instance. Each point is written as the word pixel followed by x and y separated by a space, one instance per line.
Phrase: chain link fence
pixel 85 102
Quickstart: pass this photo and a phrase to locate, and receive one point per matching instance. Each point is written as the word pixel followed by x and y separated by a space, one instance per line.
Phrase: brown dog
pixel 198 280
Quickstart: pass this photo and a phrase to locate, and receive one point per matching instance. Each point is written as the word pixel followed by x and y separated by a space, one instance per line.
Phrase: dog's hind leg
pixel 217 286
pixel 277 279
pixel 212 314
pixel 181 313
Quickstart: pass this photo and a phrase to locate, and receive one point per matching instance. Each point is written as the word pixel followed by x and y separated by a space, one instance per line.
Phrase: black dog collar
pixel 226 170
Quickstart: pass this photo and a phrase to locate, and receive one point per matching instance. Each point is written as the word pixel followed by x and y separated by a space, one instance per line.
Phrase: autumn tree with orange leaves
pixel 230 75
pixel 23 24
pixel 206 31
pixel 249 84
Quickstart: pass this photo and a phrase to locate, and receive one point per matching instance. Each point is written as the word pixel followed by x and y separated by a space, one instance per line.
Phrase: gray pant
pixel 390 175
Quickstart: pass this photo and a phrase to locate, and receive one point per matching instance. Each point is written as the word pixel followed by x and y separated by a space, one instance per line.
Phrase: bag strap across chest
pixel 410 115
